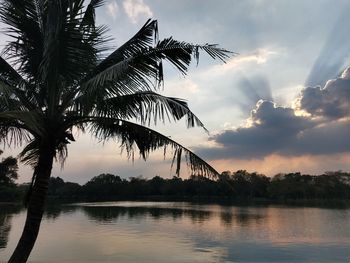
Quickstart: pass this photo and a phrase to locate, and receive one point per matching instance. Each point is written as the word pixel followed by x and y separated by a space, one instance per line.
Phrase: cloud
pixel 268 129
pixel 332 101
pixel 273 164
pixel 273 129
pixel 328 138
pixel 135 9
pixel 260 56
pixel 113 9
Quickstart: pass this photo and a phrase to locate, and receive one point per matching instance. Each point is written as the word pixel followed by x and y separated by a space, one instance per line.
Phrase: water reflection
pixel 240 216
pixel 110 214
pixel 182 232
pixel 54 211
pixel 246 216
pixel 6 214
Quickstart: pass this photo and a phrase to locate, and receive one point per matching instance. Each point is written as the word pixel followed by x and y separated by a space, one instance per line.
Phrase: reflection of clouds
pixel 310 226
pixel 183 232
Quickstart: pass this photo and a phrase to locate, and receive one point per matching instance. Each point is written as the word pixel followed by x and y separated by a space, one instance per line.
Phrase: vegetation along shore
pixel 241 187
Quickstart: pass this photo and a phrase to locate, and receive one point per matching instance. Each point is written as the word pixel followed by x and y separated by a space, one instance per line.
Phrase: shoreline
pixel 226 201
pixel 327 203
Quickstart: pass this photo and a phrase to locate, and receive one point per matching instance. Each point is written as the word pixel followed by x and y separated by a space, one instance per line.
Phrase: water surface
pixel 182 232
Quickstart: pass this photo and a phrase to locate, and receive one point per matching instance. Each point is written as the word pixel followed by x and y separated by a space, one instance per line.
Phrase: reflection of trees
pixel 246 219
pixel 240 216
pixel 199 216
pixel 53 211
pixel 107 214
pixel 6 213
pixel 226 218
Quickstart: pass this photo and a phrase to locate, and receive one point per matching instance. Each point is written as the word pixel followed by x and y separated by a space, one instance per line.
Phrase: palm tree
pixel 58 79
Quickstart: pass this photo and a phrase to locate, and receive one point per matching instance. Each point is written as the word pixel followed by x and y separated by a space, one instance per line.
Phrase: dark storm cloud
pixel 272 128
pixel 277 130
pixel 334 54
pixel 332 101
pixel 329 138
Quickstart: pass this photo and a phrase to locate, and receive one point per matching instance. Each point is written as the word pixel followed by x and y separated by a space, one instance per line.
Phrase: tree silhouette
pixel 61 79
pixel 8 171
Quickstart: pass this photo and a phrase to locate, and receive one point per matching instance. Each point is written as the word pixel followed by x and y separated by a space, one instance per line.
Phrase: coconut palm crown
pixel 57 77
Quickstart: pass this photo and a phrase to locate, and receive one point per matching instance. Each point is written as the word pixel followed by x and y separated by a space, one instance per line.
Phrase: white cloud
pixel 186 87
pixel 113 9
pixel 260 56
pixel 136 9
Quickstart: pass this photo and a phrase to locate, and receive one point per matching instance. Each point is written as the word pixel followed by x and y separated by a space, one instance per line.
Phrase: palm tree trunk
pixel 36 205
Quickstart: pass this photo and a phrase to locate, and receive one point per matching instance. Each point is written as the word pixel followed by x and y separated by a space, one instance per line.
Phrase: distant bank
pixel 241 187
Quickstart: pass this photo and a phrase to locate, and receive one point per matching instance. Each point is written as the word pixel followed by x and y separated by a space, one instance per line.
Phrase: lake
pixel 182 232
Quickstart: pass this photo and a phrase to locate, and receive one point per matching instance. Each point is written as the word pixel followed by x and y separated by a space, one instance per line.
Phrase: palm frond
pixel 9 74
pixel 143 39
pixel 12 132
pixel 119 79
pixel 68 51
pixel 146 107
pixel 143 70
pixel 30 153
pixel 128 82
pixel 147 140
pixel 14 87
pixel 66 46
pixel 10 135
pixel 30 121
pixel 23 19
pixel 7 98
pixel 88 21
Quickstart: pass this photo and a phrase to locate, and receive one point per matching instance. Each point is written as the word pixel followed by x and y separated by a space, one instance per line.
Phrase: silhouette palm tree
pixel 61 79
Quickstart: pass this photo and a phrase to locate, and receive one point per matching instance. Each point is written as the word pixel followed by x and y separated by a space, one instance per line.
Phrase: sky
pixel 280 105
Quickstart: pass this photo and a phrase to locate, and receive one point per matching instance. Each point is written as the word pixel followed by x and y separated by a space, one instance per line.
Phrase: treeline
pixel 234 186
